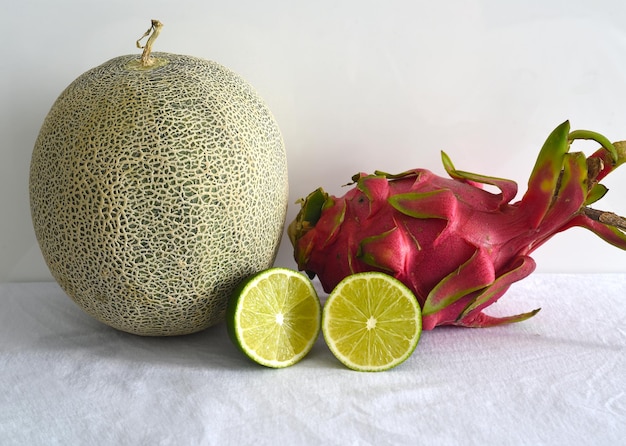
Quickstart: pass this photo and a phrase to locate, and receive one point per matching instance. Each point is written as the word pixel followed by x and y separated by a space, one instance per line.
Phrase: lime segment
pixel 274 317
pixel 371 322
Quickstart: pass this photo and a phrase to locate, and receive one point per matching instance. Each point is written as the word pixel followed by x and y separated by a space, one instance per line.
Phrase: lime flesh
pixel 274 317
pixel 371 322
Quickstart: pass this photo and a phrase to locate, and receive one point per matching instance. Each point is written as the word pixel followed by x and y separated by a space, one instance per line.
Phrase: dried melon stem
pixel 147 61
pixel 155 29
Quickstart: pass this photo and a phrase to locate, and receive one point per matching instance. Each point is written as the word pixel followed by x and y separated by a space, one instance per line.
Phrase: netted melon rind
pixel 154 192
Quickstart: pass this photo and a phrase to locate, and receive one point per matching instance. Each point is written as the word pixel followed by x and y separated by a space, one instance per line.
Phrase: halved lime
pixel 371 322
pixel 274 317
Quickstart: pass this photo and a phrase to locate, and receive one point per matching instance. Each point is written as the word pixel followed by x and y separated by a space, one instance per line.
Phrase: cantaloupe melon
pixel 155 189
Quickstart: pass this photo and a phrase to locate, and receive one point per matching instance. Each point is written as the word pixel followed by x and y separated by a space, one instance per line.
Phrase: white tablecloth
pixel 558 378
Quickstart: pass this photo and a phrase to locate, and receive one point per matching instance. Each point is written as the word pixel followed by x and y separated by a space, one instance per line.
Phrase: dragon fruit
pixel 456 245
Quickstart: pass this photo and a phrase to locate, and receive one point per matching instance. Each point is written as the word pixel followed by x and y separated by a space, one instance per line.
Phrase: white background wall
pixel 355 85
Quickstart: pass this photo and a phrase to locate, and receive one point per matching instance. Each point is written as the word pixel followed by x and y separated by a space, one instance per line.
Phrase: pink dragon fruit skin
pixel 457 246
